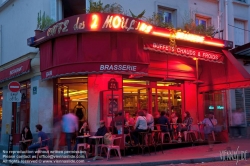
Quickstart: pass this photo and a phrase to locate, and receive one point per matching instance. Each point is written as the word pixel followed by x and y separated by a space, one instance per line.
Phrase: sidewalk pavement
pixel 194 154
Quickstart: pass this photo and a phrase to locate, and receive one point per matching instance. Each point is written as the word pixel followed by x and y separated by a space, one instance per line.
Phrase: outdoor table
pixel 28 140
pixel 97 140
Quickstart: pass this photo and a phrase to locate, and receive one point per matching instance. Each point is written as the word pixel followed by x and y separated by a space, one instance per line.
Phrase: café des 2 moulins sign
pixel 112 84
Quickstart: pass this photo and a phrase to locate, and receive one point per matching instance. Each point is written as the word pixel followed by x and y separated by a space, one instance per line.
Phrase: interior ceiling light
pixel 69 78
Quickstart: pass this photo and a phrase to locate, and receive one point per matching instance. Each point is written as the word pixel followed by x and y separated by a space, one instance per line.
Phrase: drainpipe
pixel 1 45
pixel 226 18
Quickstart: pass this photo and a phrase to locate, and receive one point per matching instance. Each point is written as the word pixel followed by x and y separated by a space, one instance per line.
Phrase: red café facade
pixel 155 68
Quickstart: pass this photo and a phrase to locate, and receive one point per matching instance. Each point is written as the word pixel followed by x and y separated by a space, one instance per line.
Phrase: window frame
pixel 203 18
pixel 172 11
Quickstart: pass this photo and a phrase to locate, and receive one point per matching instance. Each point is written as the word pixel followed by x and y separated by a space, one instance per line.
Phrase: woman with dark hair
pixel 84 130
pixel 26 139
pixel 187 121
pixel 140 126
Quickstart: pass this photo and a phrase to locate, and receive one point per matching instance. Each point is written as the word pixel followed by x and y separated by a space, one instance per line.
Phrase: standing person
pixel 150 119
pixel 26 138
pixel 210 122
pixel 57 128
pixel 140 126
pixel 238 120
pixel 70 127
pixel 42 137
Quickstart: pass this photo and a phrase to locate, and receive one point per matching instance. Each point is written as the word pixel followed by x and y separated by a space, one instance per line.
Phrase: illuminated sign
pixel 103 22
pixel 117 67
pixel 220 107
pixel 182 51
pixel 189 37
pixel 211 107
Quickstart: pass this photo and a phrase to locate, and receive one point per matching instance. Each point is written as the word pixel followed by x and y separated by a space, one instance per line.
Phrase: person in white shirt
pixel 210 125
pixel 140 126
pixel 150 120
pixel 238 120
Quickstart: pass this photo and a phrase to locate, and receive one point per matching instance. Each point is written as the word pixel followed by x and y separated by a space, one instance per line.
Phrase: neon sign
pixel 189 37
pixel 102 22
pixel 125 23
pixel 184 51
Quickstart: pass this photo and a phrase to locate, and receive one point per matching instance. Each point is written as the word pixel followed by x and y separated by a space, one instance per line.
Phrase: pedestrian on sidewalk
pixel 70 127
pixel 238 120
pixel 210 125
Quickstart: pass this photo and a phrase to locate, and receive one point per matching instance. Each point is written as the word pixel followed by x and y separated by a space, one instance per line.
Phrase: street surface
pixel 219 163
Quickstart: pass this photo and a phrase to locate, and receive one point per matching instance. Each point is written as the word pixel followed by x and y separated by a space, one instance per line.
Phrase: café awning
pixel 15 71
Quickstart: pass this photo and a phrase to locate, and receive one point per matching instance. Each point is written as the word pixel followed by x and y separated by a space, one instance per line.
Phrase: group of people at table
pixel 143 122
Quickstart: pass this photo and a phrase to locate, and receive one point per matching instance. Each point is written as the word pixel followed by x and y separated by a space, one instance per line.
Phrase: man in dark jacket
pixel 163 121
pixel 102 130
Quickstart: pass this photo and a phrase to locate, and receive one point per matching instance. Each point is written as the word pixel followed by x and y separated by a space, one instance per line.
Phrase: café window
pixel 168 15
pixel 22 109
pixel 215 102
pixel 73 7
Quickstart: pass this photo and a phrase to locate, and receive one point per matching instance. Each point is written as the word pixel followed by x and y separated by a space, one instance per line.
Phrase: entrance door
pixel 63 98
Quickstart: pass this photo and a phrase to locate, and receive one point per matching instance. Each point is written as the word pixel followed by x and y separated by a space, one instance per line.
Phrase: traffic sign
pixel 14 97
pixel 14 86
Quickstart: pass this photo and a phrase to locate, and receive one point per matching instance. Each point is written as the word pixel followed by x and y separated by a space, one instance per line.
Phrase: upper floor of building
pixel 228 18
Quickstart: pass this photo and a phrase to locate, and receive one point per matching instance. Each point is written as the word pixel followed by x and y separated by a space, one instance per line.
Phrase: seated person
pixel 140 126
pixel 102 130
pixel 210 125
pixel 163 121
pixel 42 137
pixel 187 121
pixel 118 121
pixel 83 131
pixel 26 138
pixel 176 124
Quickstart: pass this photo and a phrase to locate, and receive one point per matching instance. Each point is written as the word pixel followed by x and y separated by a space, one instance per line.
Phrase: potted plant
pixel 43 22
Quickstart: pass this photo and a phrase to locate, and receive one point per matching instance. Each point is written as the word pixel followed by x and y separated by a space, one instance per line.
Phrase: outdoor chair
pixel 85 146
pixel 156 135
pixel 188 134
pixel 115 145
pixel 158 126
pixel 46 148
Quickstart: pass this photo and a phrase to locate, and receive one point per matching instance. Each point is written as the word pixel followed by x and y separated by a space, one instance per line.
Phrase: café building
pixel 103 63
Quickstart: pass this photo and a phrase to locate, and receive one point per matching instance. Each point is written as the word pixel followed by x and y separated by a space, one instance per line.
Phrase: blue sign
pixel 34 90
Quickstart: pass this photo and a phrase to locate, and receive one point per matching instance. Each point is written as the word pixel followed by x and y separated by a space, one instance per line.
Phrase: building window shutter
pixel 247 105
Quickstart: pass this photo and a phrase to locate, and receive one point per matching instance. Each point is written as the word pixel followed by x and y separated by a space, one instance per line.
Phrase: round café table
pixel 97 140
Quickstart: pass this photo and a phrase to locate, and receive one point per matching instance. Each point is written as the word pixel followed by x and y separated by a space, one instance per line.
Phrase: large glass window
pixel 154 96
pixel 215 102
pixel 22 109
